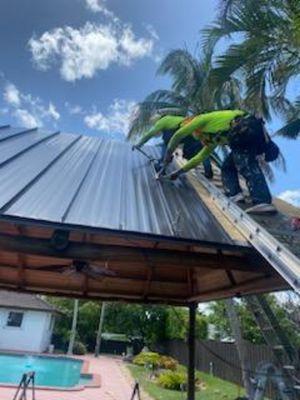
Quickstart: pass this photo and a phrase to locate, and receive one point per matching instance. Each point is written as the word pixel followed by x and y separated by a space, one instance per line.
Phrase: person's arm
pixel 199 158
pixel 181 133
pixel 149 135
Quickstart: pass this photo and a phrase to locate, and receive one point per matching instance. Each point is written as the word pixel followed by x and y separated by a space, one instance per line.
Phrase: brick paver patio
pixel 116 384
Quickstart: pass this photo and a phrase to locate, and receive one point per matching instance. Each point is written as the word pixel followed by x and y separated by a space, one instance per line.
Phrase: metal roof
pixel 94 182
pixel 24 301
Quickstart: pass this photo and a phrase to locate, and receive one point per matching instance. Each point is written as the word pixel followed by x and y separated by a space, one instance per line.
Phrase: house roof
pixel 149 241
pixel 24 301
pixel 92 182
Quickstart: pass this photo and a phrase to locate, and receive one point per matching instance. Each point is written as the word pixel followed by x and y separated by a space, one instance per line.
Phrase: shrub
pixel 167 362
pixel 147 358
pixel 79 349
pixel 172 380
pixel 156 360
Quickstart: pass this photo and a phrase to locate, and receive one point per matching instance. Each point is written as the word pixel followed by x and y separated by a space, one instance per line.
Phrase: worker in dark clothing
pixel 246 139
pixel 167 126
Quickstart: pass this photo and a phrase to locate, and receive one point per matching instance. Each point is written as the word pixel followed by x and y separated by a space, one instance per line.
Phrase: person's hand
pixel 134 147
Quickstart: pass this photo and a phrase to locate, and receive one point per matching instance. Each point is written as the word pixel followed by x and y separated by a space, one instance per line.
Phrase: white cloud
pixel 291 196
pixel 29 111
pixel 81 52
pixel 116 120
pixel 52 112
pixel 26 119
pixel 74 109
pixel 96 5
pixel 11 95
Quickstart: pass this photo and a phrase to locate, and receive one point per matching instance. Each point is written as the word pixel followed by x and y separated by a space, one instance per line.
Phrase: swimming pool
pixel 49 371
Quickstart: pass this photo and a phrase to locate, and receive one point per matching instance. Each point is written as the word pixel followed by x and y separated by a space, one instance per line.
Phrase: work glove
pixel 134 147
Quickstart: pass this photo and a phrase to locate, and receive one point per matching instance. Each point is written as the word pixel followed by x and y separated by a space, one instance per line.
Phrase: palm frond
pixel 184 69
pixel 291 130
pixel 141 119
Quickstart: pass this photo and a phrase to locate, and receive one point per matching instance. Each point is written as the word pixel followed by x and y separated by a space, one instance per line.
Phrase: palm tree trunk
pixel 100 328
pixel 240 344
pixel 74 327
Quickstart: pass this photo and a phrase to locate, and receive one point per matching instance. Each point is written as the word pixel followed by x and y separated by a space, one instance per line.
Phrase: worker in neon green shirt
pixel 167 125
pixel 243 133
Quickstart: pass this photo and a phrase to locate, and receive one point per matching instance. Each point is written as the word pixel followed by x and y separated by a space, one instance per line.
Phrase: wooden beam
pixel 260 284
pixel 122 255
pixel 179 301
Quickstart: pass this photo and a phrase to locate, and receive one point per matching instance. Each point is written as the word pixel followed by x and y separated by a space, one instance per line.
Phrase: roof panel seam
pixel 18 134
pixel 21 152
pixel 37 177
pixel 64 217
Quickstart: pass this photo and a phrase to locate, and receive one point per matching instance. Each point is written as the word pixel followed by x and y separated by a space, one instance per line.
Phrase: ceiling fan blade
pixel 101 271
pixel 70 270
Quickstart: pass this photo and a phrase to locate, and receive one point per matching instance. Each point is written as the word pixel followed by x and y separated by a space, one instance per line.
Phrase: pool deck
pixel 116 383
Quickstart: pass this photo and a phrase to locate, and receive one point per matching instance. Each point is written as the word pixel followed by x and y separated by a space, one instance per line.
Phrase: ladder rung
pixel 297 387
pixel 289 367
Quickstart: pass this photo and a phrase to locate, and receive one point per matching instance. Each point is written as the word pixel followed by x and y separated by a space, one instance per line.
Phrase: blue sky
pixel 82 65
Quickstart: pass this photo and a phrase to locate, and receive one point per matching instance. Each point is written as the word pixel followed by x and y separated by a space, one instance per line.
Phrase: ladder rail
pixel 282 259
pixel 277 340
pixel 25 381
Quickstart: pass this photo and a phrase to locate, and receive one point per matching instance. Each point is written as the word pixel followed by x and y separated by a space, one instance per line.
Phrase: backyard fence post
pixel 191 343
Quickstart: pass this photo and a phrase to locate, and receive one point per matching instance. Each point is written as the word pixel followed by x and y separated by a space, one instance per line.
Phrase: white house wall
pixel 33 335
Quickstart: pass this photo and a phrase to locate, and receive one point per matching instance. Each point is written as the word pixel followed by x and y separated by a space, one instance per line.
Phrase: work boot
pixel 262 208
pixel 209 174
pixel 238 198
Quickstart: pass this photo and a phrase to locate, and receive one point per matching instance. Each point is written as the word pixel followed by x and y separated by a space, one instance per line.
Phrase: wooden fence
pixel 218 358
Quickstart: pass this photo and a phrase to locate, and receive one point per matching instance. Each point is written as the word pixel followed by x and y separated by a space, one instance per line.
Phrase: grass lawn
pixel 216 389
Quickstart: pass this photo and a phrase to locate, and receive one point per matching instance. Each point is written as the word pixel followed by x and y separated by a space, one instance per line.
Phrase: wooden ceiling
pixel 144 269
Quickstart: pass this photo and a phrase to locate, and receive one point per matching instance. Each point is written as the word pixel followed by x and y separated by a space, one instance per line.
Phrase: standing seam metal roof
pixel 99 183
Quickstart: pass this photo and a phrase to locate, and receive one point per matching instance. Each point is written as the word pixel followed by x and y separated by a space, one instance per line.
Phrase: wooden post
pixel 191 343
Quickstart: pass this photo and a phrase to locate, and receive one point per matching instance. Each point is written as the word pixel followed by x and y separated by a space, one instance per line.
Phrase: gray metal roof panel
pixel 99 183
pixel 24 170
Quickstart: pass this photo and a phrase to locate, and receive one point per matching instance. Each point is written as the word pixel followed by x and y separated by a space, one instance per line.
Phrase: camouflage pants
pixel 245 163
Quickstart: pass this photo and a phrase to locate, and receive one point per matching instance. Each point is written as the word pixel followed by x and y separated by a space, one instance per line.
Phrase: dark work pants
pixel 245 163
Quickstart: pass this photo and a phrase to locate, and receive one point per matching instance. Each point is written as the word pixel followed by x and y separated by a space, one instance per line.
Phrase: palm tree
pixel 264 52
pixel 100 329
pixel 190 93
pixel 74 327
pixel 236 328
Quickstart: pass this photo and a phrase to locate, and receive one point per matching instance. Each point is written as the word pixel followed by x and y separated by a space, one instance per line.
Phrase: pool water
pixel 49 371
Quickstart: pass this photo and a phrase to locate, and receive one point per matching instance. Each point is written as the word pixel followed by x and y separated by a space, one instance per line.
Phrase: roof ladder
pixel 284 352
pixel 281 258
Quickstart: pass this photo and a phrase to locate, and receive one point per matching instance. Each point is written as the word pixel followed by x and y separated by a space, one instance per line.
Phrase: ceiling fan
pixel 78 267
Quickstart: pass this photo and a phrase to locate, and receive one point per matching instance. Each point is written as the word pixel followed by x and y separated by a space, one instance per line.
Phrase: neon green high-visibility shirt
pixel 167 122
pixel 205 127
